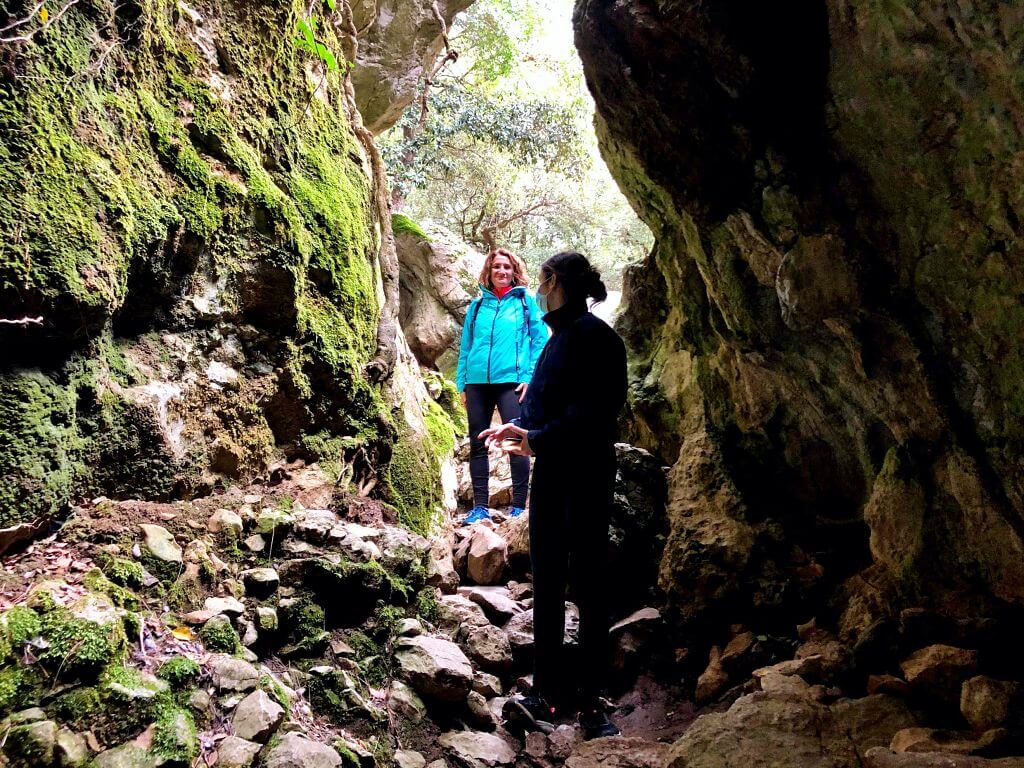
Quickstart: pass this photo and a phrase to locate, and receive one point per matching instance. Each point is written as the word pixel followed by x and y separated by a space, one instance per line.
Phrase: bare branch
pixel 28 37
pixel 22 321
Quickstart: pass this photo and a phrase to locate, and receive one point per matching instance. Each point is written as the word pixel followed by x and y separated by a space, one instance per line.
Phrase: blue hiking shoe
pixel 516 511
pixel 476 515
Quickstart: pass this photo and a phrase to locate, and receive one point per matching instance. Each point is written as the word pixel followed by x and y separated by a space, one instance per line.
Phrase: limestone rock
pixel 233 675
pixel 618 752
pixel 563 740
pixel 487 685
pixel 260 583
pixel 939 670
pixel 407 758
pixel 314 525
pixel 225 521
pixel 229 606
pixel 713 679
pixel 456 611
pixel 488 646
pixel 159 542
pixel 474 749
pixel 434 667
pixel 70 749
pixel 480 713
pixel 496 602
pixel 266 619
pixel 953 742
pixel 986 703
pixel 880 757
pixel 486 558
pixel 257 717
pixel 32 743
pixel 406 702
pixel 295 749
pixel 126 756
pixel 234 752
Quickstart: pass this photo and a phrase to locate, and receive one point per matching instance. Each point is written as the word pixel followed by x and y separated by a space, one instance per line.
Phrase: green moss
pixel 126 573
pixel 403 225
pixel 305 621
pixel 37 446
pixel 18 625
pixel 77 645
pixel 12 686
pixel 427 606
pixel 220 636
pixel 95 581
pixel 174 735
pixel 79 707
pixel 179 671
pixel 277 692
pixel 441 429
pixel 414 482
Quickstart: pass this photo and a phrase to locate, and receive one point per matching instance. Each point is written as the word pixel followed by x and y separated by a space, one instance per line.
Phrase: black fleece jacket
pixel 578 387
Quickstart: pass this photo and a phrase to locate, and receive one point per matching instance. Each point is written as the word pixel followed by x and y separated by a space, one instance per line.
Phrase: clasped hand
pixel 497 434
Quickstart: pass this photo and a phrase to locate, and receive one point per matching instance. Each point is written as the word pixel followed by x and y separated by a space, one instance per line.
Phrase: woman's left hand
pixel 496 434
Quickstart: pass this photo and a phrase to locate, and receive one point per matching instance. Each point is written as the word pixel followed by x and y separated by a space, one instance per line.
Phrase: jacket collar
pixel 487 292
pixel 565 315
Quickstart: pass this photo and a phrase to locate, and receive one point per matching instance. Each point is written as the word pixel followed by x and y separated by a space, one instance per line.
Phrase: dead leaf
pixel 90 739
pixel 183 633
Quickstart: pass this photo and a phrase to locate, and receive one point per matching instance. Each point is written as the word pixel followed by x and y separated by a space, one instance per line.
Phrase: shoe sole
pixel 520 716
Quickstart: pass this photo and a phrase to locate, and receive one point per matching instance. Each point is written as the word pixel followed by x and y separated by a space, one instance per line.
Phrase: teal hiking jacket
pixel 501 339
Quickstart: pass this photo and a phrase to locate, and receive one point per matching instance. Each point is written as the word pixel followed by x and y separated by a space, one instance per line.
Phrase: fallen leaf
pixel 44 14
pixel 183 633
pixel 90 739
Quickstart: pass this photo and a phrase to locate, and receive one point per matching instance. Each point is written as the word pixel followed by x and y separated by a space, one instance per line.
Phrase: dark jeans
pixel 569 510
pixel 481 400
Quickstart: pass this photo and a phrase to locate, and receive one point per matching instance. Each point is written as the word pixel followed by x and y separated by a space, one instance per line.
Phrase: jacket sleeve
pixel 460 375
pixel 599 387
pixel 538 336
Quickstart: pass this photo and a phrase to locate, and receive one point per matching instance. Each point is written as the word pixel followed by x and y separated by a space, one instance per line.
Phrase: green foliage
pixel 12 685
pixel 403 225
pixel 507 149
pixel 77 645
pixel 121 597
pixel 121 571
pixel 220 636
pixel 307 41
pixel 174 735
pixel 427 606
pixel 178 671
pixel 18 625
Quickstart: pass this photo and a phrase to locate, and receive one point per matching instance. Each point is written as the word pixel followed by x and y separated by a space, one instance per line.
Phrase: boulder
pixel 498 606
pixel 487 685
pixel 953 742
pixel 315 525
pixel 407 758
pixel 713 680
pixel 294 749
pixel 488 646
pixel 618 752
pixel 260 583
pixel 880 757
pixel 434 667
pixel 257 717
pixel 480 713
pixel 475 749
pixel 563 740
pixel 233 675
pixel 485 561
pixel 456 612
pixel 406 702
pixel 31 743
pixel 70 749
pixel 228 606
pixel 986 703
pixel 126 756
pixel 234 752
pixel 939 670
pixel 225 521
pixel 159 542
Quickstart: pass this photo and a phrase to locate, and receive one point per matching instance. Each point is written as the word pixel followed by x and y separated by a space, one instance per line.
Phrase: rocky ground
pixel 285 624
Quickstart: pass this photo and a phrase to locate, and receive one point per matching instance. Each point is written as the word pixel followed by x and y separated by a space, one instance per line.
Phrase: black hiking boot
pixel 596 724
pixel 529 713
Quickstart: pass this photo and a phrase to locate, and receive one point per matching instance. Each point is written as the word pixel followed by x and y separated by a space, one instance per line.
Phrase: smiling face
pixel 501 271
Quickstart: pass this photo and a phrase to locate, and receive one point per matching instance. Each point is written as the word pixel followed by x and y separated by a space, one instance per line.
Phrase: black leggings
pixel 569 512
pixel 481 400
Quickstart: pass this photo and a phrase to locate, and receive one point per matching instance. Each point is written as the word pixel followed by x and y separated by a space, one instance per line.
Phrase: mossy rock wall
pixel 196 229
pixel 834 188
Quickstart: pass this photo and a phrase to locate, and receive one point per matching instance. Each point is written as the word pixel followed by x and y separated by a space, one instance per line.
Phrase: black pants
pixel 569 510
pixel 481 400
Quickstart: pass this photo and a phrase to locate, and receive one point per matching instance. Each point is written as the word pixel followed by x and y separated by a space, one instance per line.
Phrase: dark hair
pixel 577 277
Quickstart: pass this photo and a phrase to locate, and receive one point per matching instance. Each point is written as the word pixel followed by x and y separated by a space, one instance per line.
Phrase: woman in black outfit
pixel 569 422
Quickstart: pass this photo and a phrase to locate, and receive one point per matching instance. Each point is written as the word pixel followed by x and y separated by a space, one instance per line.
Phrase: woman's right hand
pixel 462 397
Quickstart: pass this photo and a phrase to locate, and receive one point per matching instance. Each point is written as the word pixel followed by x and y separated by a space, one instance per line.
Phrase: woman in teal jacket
pixel 502 337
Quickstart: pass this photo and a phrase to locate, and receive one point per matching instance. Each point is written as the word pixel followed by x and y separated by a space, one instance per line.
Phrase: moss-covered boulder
pixel 200 239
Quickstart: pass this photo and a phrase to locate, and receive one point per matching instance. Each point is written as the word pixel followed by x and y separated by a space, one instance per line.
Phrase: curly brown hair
pixel 518 268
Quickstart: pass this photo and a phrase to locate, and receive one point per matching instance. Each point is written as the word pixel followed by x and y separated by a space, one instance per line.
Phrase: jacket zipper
pixel 490 346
